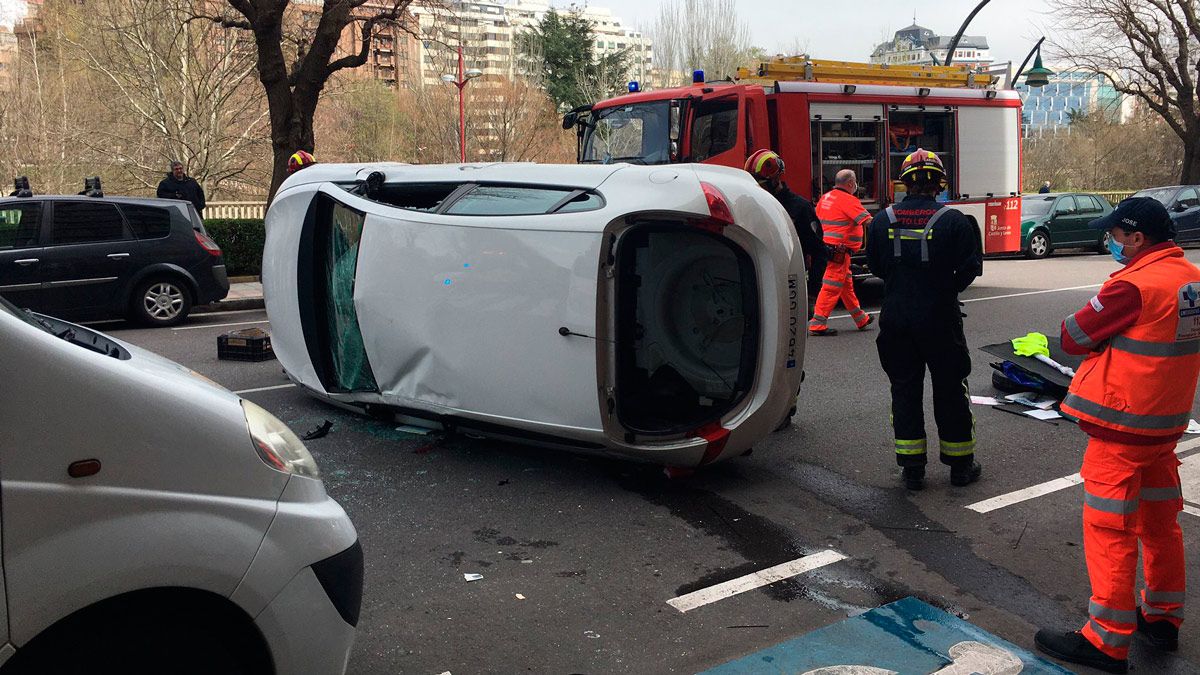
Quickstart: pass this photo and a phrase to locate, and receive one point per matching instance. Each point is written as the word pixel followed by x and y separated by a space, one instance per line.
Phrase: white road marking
pixel 230 312
pixel 1042 489
pixel 258 389
pixel 1001 297
pixel 220 325
pixel 704 596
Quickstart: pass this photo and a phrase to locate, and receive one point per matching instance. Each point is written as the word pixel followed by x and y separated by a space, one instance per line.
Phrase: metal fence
pixel 1115 197
pixel 224 210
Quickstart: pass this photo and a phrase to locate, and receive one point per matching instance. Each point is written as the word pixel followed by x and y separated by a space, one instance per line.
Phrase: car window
pixel 1187 197
pixel 1065 206
pixel 1098 203
pixel 415 196
pixel 1163 195
pixel 19 225
pixel 86 222
pixel 502 200
pixel 148 222
pixel 586 201
pixel 714 129
pixel 1035 206
pixel 1085 204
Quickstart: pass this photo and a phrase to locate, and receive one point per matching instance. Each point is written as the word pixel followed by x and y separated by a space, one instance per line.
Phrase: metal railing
pixel 1115 197
pixel 224 210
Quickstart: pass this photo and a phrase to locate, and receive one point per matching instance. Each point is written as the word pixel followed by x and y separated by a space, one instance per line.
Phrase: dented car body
pixel 650 313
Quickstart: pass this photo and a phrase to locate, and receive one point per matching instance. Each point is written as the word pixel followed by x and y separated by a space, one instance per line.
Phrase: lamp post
pixel 962 29
pixel 1038 75
pixel 461 82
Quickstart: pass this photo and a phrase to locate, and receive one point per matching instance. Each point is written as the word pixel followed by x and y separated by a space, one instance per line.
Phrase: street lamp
pixel 461 82
pixel 1038 75
pixel 961 30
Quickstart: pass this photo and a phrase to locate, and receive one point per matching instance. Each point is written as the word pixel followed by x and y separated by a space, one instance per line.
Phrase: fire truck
pixel 824 116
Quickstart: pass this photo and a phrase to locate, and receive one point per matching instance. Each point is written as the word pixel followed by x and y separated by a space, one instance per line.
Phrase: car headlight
pixel 278 447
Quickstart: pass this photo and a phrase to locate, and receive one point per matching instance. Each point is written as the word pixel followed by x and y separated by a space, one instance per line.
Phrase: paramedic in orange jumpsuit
pixel 842 219
pixel 1133 397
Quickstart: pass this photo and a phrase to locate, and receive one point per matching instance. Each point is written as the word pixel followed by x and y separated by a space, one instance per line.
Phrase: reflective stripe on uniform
pixel 861 218
pixel 1144 348
pixel 1124 418
pixel 957 448
pixel 1077 333
pixel 1107 505
pixel 1110 638
pixel 1161 494
pixel 1172 597
pixel 911 447
pixel 1099 611
pixel 1154 611
pixel 835 284
pixel 897 234
pixel 837 223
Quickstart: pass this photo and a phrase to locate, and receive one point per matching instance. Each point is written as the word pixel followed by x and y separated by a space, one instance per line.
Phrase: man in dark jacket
pixel 926 253
pixel 767 169
pixel 179 185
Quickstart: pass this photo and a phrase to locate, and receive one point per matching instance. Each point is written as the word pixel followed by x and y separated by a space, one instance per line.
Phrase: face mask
pixel 1118 251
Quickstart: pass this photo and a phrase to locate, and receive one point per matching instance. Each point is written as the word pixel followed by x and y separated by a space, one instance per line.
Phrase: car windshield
pixel 1164 195
pixel 636 133
pixel 1036 206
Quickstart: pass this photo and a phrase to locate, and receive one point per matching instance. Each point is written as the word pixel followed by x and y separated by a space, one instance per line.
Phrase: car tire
pixel 1102 245
pixel 161 301
pixel 1038 246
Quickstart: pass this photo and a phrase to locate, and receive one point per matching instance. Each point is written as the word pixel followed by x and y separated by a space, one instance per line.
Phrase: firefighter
pixel 842 217
pixel 926 253
pixel 1133 397
pixel 300 160
pixel 767 169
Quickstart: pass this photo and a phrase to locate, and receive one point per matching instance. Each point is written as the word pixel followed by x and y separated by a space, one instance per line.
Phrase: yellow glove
pixel 1031 345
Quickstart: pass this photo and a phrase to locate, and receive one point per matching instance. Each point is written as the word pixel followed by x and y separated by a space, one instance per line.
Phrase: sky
pixel 1011 26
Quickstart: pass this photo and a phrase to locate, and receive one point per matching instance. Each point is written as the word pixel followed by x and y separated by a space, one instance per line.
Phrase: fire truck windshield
pixel 637 133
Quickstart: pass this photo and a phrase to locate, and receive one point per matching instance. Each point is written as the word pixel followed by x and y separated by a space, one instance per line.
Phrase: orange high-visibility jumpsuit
pixel 1133 395
pixel 842 219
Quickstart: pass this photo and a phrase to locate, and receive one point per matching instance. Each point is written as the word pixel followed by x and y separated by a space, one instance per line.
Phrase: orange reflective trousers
pixel 1131 494
pixel 838 284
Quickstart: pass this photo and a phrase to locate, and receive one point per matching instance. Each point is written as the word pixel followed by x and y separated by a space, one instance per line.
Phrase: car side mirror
pixel 1180 207
pixel 569 120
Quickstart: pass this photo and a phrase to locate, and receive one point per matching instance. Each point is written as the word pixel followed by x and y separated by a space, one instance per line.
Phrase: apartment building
pixel 1048 110
pixel 917 45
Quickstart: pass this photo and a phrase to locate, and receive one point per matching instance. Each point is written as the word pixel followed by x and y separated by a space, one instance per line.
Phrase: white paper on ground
pixel 472 577
pixel 985 400
pixel 1043 414
pixel 1193 427
pixel 1029 398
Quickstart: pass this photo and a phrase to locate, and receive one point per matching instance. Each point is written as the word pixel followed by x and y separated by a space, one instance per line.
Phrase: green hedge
pixel 241 240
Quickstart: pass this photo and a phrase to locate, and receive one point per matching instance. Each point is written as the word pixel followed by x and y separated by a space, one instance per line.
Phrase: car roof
pixel 150 201
pixel 528 173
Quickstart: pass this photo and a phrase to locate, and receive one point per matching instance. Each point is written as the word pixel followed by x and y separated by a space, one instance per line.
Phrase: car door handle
pixel 26 261
pixel 118 256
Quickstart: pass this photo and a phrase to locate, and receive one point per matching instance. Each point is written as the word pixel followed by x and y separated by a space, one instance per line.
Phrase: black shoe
pixel 965 476
pixel 1160 634
pixel 867 325
pixel 1072 647
pixel 818 333
pixel 914 477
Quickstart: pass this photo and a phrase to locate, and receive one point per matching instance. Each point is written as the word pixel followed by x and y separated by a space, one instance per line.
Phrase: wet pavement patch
pixel 907 636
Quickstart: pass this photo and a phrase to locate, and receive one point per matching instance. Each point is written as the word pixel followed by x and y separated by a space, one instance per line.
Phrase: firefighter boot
pixel 914 477
pixel 820 333
pixel 961 476
pixel 1160 634
pixel 1073 647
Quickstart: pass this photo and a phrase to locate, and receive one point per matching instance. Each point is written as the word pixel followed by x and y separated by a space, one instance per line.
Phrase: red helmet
pixel 922 161
pixel 299 160
pixel 764 165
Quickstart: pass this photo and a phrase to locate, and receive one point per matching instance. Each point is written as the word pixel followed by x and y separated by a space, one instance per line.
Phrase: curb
pixel 230 305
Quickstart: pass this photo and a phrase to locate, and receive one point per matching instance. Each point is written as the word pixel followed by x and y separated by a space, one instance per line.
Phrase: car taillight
pixel 277 446
pixel 718 209
pixel 207 244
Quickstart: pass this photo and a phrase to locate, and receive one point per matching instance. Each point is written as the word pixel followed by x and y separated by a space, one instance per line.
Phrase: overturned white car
pixel 652 313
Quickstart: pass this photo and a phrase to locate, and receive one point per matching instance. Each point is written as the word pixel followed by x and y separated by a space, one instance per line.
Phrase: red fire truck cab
pixel 821 127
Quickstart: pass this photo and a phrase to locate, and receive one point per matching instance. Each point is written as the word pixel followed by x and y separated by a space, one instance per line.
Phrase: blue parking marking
pixel 907 637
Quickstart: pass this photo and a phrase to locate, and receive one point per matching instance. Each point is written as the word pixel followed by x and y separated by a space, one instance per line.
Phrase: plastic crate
pixel 249 344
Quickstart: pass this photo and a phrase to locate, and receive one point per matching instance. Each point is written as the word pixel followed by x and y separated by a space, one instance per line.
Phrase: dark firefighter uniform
pixel 808 228
pixel 926 254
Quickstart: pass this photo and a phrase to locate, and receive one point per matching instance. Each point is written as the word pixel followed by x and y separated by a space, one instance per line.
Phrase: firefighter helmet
pixel 299 160
pixel 922 166
pixel 765 165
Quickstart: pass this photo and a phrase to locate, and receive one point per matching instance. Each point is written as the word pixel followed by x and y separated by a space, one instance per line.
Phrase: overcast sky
pixel 1011 26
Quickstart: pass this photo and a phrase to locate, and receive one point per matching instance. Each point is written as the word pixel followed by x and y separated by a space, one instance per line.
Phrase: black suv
pixel 88 258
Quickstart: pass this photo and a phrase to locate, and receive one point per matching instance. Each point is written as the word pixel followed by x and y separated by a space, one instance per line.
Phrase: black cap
pixel 1138 214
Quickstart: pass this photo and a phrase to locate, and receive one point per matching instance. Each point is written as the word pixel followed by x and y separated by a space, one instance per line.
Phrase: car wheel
pixel 161 301
pixel 1102 247
pixel 1039 245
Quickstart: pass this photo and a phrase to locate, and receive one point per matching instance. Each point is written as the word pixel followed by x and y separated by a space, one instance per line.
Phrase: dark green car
pixel 1060 220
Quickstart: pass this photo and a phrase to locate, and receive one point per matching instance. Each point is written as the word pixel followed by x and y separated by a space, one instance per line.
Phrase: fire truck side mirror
pixel 569 120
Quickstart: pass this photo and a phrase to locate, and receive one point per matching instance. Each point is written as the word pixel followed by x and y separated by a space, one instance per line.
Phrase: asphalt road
pixel 596 548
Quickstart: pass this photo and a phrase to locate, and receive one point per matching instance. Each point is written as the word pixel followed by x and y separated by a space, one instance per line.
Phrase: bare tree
pixel 699 34
pixel 174 88
pixel 294 66
pixel 1148 49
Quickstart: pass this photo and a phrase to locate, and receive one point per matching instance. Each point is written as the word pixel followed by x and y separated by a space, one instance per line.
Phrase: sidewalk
pixel 242 295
